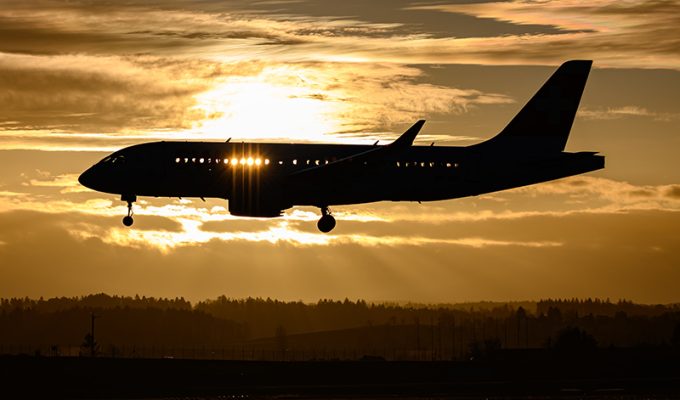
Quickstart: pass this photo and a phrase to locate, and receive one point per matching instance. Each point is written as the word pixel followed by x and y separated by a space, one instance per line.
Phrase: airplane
pixel 264 179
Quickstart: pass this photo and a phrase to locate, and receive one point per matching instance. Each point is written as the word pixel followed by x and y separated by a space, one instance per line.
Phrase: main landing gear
pixel 127 220
pixel 327 222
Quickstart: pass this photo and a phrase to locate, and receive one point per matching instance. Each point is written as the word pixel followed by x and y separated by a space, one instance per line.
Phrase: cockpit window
pixel 115 159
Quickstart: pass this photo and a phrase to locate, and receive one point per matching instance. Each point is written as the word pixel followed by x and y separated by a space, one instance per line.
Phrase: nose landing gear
pixel 127 220
pixel 327 222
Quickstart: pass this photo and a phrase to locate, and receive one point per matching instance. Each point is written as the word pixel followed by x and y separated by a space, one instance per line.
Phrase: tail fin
pixel 544 123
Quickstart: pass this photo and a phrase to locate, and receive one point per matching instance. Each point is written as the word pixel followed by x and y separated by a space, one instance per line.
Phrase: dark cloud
pixel 673 192
pixel 412 21
pixel 104 28
pixel 69 96
pixel 642 193
pixel 99 28
pixel 652 31
pixel 31 37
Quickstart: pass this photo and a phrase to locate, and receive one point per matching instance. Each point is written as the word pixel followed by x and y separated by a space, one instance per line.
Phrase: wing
pixel 360 159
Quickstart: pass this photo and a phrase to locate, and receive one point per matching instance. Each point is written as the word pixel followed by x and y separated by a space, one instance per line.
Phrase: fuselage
pixel 283 173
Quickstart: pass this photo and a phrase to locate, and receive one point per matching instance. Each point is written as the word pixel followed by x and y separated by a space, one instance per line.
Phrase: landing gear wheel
pixel 327 222
pixel 127 220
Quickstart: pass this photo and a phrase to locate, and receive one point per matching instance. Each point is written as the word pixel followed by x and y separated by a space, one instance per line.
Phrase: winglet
pixel 407 138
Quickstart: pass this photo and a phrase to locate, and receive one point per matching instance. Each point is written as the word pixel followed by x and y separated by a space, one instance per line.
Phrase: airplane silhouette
pixel 263 179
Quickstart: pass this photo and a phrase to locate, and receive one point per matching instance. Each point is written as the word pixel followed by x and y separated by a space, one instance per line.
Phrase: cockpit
pixel 114 159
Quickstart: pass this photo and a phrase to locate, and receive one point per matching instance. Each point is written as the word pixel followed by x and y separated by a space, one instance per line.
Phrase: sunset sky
pixel 82 78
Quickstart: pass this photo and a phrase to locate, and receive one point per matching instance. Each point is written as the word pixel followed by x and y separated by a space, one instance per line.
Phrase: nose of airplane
pixel 87 178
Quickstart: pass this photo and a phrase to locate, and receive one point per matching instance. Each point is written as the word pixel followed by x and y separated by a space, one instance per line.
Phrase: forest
pixel 257 328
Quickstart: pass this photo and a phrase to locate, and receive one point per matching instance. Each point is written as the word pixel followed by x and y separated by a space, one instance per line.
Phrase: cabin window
pixel 316 162
pixel 295 162
pixel 177 160
pixel 280 162
pixel 226 161
pixel 266 161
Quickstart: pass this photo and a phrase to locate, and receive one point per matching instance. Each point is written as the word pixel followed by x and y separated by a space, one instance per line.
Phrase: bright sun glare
pixel 275 105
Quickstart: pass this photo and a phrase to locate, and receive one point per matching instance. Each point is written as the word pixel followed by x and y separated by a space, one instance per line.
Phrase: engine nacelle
pixel 251 203
pixel 255 195
pixel 254 210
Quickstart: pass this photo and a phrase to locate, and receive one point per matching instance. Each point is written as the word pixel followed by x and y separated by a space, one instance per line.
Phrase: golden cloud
pixel 625 111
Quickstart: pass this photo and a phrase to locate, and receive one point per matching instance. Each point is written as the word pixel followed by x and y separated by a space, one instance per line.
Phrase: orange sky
pixel 79 79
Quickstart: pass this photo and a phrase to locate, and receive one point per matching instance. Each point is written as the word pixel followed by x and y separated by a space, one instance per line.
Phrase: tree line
pixel 269 325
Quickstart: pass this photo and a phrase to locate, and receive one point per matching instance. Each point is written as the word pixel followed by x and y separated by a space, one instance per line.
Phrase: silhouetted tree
pixel 281 341
pixel 89 345
pixel 573 340
pixel 675 338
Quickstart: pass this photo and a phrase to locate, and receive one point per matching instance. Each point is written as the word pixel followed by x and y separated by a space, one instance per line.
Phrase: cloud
pixel 607 195
pixel 578 255
pixel 623 112
pixel 145 98
pixel 143 28
pixel 94 75
pixel 67 183
pixel 632 34
pixel 673 191
pixel 635 34
pixel 60 181
pixel 347 97
pixel 84 93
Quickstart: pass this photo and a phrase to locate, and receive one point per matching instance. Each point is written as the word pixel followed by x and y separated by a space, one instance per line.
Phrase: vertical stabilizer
pixel 544 123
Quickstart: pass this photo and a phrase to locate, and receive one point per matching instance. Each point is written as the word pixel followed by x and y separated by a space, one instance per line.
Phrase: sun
pixel 279 104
